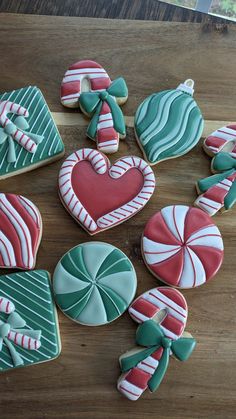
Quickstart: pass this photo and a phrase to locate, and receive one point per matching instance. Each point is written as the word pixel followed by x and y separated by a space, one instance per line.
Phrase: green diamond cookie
pixel 94 283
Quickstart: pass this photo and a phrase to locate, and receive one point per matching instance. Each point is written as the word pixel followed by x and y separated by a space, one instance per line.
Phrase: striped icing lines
pixel 101 165
pixel 182 247
pixel 223 139
pixel 6 306
pixel 83 73
pixel 20 231
pixel 175 311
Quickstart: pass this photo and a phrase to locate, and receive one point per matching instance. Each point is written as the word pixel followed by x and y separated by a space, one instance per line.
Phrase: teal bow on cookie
pixel 225 164
pixel 7 132
pixel 15 323
pixel 91 103
pixel 150 335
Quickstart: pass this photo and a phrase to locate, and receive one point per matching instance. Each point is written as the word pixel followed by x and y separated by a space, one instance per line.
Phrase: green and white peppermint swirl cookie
pixel 94 283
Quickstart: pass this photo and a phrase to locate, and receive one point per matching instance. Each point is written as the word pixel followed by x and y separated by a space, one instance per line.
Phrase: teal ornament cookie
pixel 29 137
pixel 94 283
pixel 168 124
pixel 29 332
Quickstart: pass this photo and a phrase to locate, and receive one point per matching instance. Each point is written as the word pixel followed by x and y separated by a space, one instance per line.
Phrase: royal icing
pixel 94 283
pixel 28 321
pixel 223 139
pixel 20 232
pixel 168 124
pixel 218 192
pixel 28 135
pixel 86 84
pixel 100 196
pixel 158 337
pixel 182 246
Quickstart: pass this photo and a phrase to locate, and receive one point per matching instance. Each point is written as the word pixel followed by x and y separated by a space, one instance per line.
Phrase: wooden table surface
pixel 151 56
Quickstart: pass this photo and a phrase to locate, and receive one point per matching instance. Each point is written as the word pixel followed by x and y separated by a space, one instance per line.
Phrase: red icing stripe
pixel 144 307
pixel 138 377
pixel 174 325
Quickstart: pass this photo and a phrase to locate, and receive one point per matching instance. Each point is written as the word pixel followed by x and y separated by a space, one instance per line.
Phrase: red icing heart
pixel 100 194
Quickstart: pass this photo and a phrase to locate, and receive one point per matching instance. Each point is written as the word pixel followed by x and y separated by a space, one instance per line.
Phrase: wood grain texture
pixel 112 9
pixel 152 56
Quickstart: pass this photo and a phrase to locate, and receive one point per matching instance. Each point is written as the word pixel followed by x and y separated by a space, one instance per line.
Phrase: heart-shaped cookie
pixel 100 196
pixel 20 232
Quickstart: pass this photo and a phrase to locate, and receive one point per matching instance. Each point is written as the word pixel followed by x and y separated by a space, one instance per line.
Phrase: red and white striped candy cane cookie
pixel 223 139
pixel 20 137
pixel 89 76
pixel 133 383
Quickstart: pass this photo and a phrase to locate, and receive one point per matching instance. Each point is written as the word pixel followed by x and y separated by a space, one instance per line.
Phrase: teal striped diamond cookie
pixel 29 332
pixel 38 133
pixel 168 124
pixel 94 283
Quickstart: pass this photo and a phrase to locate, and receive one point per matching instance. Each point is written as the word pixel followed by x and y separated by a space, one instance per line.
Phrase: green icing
pixel 41 129
pixel 91 103
pixel 150 335
pixel 94 283
pixel 168 124
pixel 34 316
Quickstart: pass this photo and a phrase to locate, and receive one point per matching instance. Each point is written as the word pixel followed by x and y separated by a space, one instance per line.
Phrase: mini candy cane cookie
pixel 100 196
pixel 94 283
pixel 28 135
pixel 162 313
pixel 86 84
pixel 168 124
pixel 29 332
pixel 218 192
pixel 182 246
pixel 20 232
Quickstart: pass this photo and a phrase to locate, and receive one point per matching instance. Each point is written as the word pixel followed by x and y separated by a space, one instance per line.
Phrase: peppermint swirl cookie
pixel 94 283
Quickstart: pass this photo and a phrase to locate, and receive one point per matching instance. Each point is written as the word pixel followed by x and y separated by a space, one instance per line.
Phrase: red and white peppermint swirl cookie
pixel 182 246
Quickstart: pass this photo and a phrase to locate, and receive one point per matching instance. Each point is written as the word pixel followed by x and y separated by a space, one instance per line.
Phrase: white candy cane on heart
pixel 99 163
pixel 120 167
pixel 20 137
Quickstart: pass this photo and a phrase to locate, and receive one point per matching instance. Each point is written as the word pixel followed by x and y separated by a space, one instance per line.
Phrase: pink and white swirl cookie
pixel 87 85
pixel 100 196
pixel 20 232
pixel 182 246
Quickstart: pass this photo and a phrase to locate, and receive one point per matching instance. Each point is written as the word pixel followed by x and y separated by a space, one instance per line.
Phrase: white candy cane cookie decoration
pixel 116 171
pixel 135 381
pixel 81 77
pixel 15 131
pixel 12 330
pixel 101 164
pixel 223 139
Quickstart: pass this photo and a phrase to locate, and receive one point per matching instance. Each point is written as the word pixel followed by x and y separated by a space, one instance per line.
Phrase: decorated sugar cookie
pixel 218 192
pixel 182 246
pixel 20 232
pixel 29 137
pixel 87 85
pixel 94 283
pixel 29 331
pixel 162 313
pixel 168 124
pixel 100 196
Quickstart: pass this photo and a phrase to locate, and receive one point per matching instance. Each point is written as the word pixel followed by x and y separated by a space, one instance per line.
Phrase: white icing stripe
pixel 7 251
pixel 193 273
pixel 85 70
pixel 174 216
pixel 131 391
pixel 157 252
pixel 105 116
pixel 223 136
pixel 139 317
pixel 105 124
pixel 119 168
pixel 6 306
pixel 208 236
pixel 32 210
pixel 79 77
pixel 207 205
pixel 21 228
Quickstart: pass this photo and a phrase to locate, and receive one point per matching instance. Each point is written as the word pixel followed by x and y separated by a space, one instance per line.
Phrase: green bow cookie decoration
pixel 7 134
pixel 150 335
pixel 225 164
pixel 12 330
pixel 91 103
